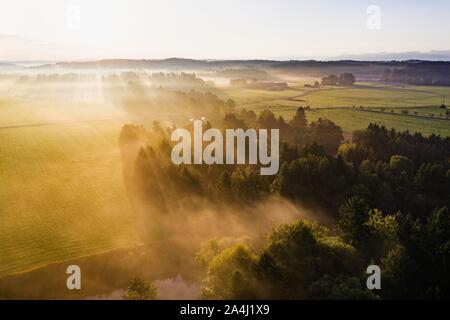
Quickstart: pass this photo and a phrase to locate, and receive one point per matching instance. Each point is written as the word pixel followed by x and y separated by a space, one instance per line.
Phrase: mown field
pixel 362 94
pixel 355 107
pixel 355 119
pixel 62 194
pixel 61 187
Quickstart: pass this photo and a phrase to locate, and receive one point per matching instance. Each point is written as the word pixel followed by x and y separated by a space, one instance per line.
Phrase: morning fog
pixel 236 142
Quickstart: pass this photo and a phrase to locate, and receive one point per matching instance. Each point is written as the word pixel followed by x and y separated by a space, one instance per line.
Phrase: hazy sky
pixel 49 29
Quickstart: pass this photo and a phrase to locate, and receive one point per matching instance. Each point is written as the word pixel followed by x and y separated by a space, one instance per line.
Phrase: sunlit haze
pixel 224 150
pixel 48 29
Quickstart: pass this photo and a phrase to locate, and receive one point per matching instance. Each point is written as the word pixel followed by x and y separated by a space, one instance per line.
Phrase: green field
pixel 381 104
pixel 62 194
pixel 251 97
pixel 354 119
pixel 362 94
pixel 377 96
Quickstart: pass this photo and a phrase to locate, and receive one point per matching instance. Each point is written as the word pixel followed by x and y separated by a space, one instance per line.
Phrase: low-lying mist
pixel 180 208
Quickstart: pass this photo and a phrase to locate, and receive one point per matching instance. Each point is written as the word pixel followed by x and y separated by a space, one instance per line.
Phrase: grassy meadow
pixel 355 119
pixel 62 194
pixel 353 108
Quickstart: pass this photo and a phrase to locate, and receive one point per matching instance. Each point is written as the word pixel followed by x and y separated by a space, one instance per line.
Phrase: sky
pixel 218 29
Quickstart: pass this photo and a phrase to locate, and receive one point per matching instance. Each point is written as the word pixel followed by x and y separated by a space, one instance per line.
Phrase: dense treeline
pixel 344 79
pixel 136 98
pixel 420 73
pixel 385 193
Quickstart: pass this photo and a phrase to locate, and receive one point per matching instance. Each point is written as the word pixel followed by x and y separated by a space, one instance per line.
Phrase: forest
pixel 379 198
pixel 196 151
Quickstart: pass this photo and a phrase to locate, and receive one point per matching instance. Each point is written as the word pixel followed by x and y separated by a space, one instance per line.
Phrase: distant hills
pixel 409 71
pixel 434 55
pixel 418 71
pixel 6 65
pixel 191 64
